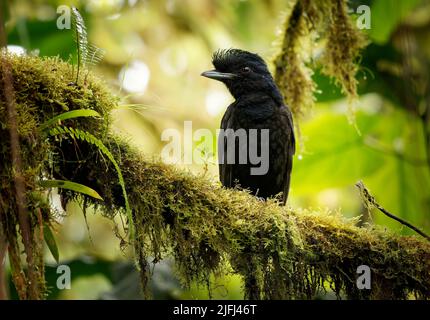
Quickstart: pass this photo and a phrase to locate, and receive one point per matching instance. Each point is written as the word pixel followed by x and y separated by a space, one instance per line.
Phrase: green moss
pixel 324 25
pixel 280 253
pixel 292 74
pixel 42 88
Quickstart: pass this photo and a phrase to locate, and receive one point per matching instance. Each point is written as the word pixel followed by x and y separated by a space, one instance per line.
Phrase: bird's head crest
pixel 228 59
pixel 243 73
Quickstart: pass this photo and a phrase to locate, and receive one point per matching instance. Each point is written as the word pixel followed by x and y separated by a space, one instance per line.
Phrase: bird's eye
pixel 246 69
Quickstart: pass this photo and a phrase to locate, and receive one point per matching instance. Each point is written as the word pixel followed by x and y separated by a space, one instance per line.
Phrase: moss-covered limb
pixel 34 275
pixel 280 253
pixel 41 89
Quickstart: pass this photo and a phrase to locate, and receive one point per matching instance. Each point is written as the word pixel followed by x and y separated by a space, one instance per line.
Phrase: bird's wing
pixel 225 170
pixel 290 150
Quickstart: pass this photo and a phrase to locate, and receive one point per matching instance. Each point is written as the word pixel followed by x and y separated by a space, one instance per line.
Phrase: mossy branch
pixel 19 193
pixel 279 252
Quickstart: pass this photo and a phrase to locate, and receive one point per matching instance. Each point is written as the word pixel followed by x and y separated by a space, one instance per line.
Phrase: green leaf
pixel 335 154
pixel 389 157
pixel 70 186
pixel 50 242
pixel 386 15
pixel 401 184
pixel 69 115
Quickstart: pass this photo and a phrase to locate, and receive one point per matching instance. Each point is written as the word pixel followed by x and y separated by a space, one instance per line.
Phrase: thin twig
pixel 370 202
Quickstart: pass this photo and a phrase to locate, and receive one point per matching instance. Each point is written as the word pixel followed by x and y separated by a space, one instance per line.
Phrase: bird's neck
pixel 276 95
pixel 259 95
pixel 266 90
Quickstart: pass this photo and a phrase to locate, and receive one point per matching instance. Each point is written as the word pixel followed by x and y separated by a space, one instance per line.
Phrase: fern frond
pixel 78 134
pixel 94 55
pixel 88 54
pixel 81 38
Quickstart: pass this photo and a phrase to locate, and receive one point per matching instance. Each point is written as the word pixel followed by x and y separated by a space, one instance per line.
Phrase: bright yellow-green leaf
pixel 69 115
pixel 70 186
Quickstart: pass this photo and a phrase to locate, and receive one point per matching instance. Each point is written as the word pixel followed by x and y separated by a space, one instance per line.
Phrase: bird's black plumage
pixel 258 105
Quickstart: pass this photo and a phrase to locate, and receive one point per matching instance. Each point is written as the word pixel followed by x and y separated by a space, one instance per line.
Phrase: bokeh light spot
pixel 135 77
pixel 216 101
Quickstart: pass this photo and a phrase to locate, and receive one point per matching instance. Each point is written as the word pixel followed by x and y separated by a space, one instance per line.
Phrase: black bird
pixel 258 105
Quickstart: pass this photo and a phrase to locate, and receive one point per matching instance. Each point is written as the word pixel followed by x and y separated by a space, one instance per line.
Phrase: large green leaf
pixel 402 184
pixel 402 189
pixel 388 156
pixel 335 154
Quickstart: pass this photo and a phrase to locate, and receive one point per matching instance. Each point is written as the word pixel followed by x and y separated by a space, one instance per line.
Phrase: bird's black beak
pixel 213 74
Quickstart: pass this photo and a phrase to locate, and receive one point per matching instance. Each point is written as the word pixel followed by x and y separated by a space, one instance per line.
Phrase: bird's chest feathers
pixel 249 114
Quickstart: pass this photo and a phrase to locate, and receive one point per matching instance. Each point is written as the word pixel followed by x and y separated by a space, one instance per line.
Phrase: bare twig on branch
pixel 370 202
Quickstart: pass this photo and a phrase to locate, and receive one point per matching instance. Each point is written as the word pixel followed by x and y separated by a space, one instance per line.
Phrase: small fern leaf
pixel 94 55
pixel 81 38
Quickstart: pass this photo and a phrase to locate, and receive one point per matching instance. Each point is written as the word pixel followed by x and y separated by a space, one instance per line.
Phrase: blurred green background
pixel 155 52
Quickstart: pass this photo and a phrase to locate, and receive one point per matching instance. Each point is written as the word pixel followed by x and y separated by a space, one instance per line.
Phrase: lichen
pixel 281 253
